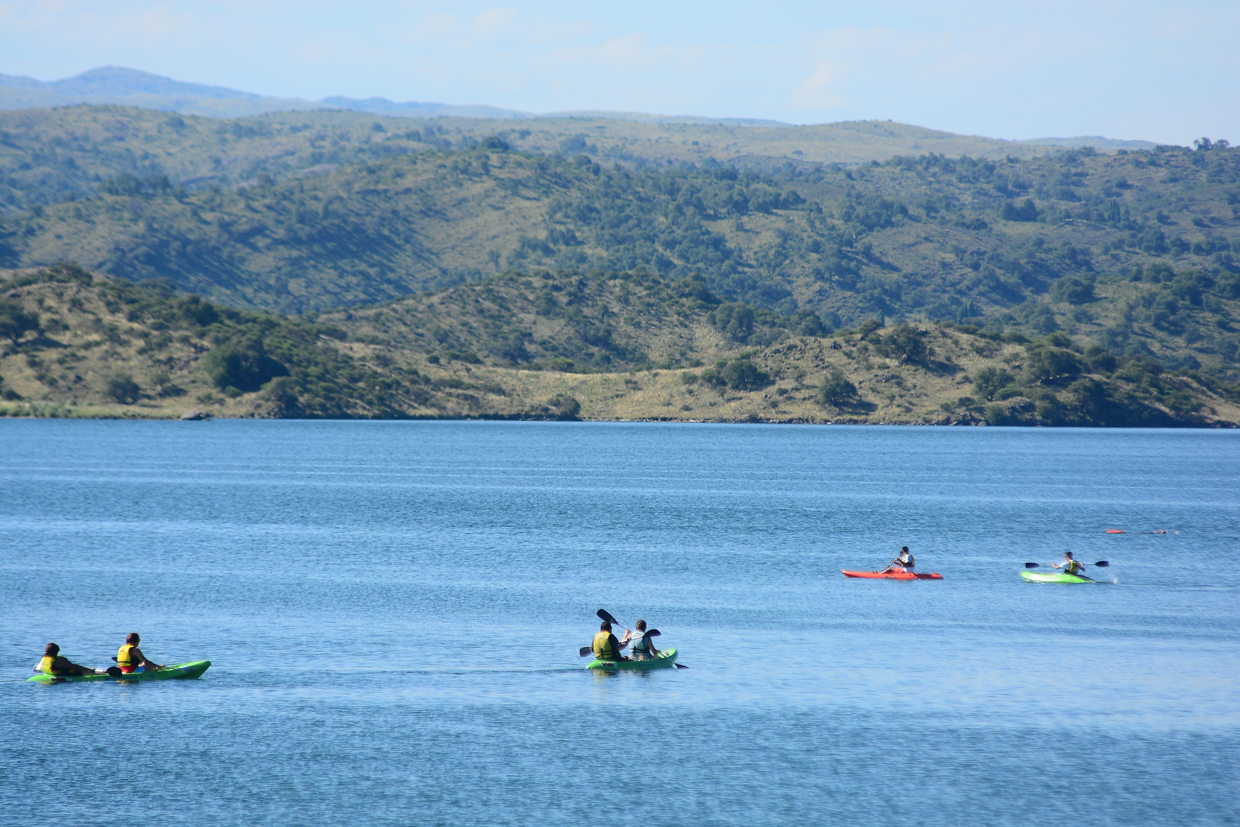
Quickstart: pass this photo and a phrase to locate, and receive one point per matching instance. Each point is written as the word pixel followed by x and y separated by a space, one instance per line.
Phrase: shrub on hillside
pixel 121 388
pixel 243 365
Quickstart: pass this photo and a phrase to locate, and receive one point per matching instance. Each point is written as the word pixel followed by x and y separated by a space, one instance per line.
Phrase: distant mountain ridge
pixel 131 87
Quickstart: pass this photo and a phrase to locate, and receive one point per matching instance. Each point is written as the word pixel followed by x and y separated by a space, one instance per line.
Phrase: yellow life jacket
pixel 123 658
pixel 45 665
pixel 1073 567
pixel 605 646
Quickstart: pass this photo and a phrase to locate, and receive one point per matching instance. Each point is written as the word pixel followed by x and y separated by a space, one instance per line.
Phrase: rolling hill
pixel 556 346
pixel 554 258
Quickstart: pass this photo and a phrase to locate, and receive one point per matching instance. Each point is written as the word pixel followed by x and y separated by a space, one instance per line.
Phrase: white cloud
pixel 818 91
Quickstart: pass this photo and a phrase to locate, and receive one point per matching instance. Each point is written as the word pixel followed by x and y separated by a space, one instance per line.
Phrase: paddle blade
pixel 585 650
pixel 1031 565
pixel 1102 564
pixel 680 666
pixel 652 633
pixel 602 613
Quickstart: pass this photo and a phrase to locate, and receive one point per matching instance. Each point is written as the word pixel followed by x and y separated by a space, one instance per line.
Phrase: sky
pixel 1134 70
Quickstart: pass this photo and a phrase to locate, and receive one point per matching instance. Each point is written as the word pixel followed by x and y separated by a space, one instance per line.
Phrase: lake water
pixel 393 613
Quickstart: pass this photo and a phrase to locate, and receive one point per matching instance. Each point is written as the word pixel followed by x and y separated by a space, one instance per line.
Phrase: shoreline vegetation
pixel 602 346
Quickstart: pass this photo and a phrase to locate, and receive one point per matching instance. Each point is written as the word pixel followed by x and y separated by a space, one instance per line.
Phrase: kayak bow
pixel 193 669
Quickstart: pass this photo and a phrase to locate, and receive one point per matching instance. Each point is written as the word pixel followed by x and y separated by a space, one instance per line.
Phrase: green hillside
pixel 1133 253
pixel 47 155
pixel 556 346
pixel 1001 243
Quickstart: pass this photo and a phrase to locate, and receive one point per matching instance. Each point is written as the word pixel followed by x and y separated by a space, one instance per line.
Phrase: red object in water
pixel 891 575
pixel 1115 531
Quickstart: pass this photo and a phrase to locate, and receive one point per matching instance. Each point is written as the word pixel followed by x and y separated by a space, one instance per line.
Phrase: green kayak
pixel 1054 577
pixel 665 660
pixel 193 669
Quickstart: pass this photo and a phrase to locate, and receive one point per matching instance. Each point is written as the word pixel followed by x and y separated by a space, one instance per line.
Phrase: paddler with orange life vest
pixel 54 664
pixel 130 658
pixel 606 647
pixel 1069 565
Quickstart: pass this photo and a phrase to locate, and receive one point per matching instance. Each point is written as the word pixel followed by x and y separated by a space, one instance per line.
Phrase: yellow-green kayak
pixel 665 660
pixel 193 669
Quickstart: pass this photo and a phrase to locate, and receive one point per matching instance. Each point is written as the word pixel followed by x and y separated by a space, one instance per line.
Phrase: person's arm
pixel 628 638
pixel 63 664
pixel 141 660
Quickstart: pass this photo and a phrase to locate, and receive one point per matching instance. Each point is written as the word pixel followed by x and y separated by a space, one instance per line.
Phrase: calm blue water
pixel 393 612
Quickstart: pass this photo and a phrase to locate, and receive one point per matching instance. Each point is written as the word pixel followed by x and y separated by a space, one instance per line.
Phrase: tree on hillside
pixel 904 342
pixel 1025 211
pixel 243 365
pixel 15 322
pixel 990 380
pixel 837 391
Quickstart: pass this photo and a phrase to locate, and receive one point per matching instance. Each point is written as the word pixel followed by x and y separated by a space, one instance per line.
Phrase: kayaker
pixel 54 664
pixel 606 647
pixel 130 658
pixel 903 562
pixel 640 646
pixel 1069 565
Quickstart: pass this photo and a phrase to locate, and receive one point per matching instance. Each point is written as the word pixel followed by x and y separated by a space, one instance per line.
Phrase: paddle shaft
pixel 1102 564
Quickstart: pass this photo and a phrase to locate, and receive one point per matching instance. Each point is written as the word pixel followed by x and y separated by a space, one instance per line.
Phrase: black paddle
pixel 1102 564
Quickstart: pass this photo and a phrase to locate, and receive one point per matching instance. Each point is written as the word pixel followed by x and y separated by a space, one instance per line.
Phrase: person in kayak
pixel 606 647
pixel 1069 565
pixel 54 664
pixel 903 562
pixel 640 646
pixel 130 658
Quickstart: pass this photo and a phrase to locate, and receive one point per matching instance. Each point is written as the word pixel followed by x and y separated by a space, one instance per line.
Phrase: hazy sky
pixel 1155 70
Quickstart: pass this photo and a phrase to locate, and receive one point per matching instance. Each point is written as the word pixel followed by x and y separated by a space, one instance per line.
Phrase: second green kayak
pixel 1054 577
pixel 192 669
pixel 665 660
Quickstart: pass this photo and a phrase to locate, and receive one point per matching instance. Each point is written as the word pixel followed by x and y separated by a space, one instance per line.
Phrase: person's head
pixel 51 650
pixel 1067 555
pixel 604 627
pixel 641 625
pixel 904 549
pixel 132 638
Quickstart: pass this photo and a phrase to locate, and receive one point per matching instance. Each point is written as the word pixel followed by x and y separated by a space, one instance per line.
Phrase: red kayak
pixel 892 575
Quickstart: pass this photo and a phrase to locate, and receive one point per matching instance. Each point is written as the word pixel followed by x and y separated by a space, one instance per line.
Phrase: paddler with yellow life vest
pixel 606 647
pixel 130 658
pixel 1069 565
pixel 54 664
